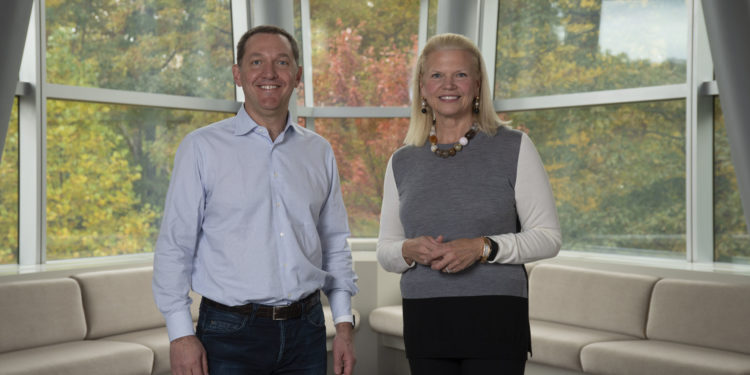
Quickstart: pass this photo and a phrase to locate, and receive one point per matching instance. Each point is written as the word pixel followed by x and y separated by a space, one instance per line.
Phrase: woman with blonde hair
pixel 466 202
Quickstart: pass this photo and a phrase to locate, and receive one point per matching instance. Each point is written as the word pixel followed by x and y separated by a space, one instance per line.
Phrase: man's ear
pixel 299 76
pixel 236 75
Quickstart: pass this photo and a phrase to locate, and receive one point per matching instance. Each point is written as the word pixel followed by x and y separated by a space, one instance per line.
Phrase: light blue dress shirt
pixel 248 219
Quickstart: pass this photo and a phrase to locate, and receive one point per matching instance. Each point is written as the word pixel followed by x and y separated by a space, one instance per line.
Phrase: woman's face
pixel 450 82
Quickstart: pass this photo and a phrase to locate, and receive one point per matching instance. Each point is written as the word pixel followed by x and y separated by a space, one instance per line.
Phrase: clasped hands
pixel 450 257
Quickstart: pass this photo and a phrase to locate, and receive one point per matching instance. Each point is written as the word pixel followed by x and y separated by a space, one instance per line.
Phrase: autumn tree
pixel 358 62
pixel 108 166
pixel 617 171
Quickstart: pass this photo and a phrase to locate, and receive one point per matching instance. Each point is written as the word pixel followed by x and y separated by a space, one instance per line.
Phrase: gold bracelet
pixel 485 250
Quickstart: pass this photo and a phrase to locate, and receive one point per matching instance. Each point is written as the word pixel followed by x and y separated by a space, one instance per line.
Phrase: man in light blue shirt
pixel 255 223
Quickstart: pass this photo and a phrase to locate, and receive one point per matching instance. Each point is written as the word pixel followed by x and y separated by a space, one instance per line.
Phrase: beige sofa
pixel 102 322
pixel 605 322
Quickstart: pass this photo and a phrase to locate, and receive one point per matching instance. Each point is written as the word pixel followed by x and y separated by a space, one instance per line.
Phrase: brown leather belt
pixel 291 311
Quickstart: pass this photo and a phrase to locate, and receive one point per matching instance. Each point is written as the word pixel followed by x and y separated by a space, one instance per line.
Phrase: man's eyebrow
pixel 256 54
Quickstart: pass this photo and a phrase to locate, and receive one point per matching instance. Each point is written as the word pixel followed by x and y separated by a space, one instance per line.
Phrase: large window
pixel 108 165
pixel 362 55
pixel 731 239
pixel 170 47
pixel 618 169
pixel 618 175
pixel 602 87
pixel 9 192
pixel 557 47
pixel 108 169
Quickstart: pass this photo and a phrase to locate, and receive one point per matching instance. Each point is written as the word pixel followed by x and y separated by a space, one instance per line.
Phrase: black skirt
pixel 492 327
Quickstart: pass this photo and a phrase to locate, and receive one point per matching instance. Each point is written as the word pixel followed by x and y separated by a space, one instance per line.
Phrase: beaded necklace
pixel 458 146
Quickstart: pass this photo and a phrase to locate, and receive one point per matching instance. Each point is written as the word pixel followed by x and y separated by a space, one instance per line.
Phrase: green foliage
pixel 617 171
pixel 547 47
pixel 180 47
pixel 9 192
pixel 106 180
pixel 108 166
pixel 618 174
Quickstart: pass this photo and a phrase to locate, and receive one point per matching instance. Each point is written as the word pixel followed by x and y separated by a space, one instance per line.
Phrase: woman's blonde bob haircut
pixel 420 123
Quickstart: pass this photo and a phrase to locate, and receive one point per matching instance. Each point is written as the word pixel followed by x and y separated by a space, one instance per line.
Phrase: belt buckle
pixel 273 313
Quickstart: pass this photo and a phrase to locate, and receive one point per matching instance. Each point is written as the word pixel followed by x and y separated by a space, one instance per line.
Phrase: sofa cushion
pixel 118 301
pixel 609 301
pixel 121 301
pixel 701 313
pixel 560 344
pixel 660 357
pixel 155 339
pixel 79 357
pixel 40 312
pixel 388 320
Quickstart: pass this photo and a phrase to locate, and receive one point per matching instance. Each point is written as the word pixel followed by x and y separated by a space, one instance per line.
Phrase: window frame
pixel 698 93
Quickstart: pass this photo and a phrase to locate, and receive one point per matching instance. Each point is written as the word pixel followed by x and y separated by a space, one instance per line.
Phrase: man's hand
pixel 343 349
pixel 187 356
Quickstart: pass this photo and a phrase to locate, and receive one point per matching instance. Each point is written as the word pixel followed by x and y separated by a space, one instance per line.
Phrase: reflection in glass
pixel 731 240
pixel 618 175
pixel 362 147
pixel 179 48
pixel 9 192
pixel 108 169
pixel 356 60
pixel 555 47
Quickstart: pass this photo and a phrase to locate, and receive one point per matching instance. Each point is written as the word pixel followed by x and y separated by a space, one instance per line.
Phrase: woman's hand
pixel 457 255
pixel 421 249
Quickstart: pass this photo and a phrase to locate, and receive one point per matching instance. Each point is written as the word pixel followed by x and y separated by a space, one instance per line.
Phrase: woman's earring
pixel 476 105
pixel 424 106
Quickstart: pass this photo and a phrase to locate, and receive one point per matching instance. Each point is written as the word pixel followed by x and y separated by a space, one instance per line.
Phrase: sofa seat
pixel 388 322
pixel 155 339
pixel 79 357
pixel 560 345
pixel 640 357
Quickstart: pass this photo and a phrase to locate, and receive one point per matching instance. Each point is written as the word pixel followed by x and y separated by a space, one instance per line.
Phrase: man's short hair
pixel 266 29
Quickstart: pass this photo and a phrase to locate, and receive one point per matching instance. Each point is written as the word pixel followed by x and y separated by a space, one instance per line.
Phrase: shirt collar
pixel 244 124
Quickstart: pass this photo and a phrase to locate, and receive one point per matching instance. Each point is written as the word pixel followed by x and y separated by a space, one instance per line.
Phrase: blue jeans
pixel 247 344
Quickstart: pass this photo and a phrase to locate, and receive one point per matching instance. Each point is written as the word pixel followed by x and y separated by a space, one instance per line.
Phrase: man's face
pixel 268 75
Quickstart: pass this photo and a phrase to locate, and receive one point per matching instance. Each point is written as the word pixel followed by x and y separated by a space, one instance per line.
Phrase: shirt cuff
pixel 341 305
pixel 344 319
pixel 179 324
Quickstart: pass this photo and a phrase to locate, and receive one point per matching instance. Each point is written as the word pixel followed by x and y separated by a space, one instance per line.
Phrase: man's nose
pixel 269 71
